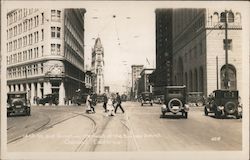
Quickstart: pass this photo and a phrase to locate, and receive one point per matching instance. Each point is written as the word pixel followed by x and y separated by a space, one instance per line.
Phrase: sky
pixel 127 35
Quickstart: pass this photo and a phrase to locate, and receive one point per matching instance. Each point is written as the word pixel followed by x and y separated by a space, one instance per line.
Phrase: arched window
pixel 223 17
pixel 232 84
pixel 238 18
pixel 215 19
pixel 201 88
pixel 195 80
pixel 190 81
pixel 230 17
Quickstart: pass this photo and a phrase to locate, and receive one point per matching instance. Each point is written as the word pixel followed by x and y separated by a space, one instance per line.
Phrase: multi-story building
pixel 143 82
pixel 136 70
pixel 199 47
pixel 45 51
pixel 98 67
pixel 162 76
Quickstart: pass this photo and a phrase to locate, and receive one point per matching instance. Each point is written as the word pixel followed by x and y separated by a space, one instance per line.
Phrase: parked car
pixel 224 103
pixel 17 103
pixel 175 101
pixel 49 98
pixel 146 98
pixel 196 98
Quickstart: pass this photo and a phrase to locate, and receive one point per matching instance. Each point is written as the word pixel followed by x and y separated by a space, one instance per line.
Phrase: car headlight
pixel 163 106
pixel 239 109
pixel 220 107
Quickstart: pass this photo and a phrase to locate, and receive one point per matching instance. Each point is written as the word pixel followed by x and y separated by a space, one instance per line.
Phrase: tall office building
pixel 136 70
pixel 45 51
pixel 98 67
pixel 199 47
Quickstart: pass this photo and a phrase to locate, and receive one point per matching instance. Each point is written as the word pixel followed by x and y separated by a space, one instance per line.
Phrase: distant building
pixel 143 82
pixel 198 38
pixel 98 67
pixel 106 89
pixel 45 51
pixel 162 76
pixel 136 70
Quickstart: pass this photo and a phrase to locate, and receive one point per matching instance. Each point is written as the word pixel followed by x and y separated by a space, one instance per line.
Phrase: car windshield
pixel 12 96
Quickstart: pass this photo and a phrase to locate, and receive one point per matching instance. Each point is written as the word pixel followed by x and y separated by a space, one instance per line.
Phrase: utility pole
pixel 226 80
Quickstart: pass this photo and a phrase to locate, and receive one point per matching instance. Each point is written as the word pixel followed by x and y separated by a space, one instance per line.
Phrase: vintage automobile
pixel 146 98
pixel 17 103
pixel 223 103
pixel 175 101
pixel 49 98
pixel 196 98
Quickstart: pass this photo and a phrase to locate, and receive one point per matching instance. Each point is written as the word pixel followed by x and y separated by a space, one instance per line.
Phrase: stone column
pixel 46 88
pixel 11 88
pixel 39 94
pixel 32 91
pixel 21 87
pixel 61 94
pixel 17 87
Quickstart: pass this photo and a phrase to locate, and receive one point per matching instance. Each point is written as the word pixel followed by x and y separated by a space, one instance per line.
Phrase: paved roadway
pixel 69 129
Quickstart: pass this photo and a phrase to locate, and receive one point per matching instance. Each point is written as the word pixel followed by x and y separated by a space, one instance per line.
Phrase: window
pixel 58 15
pixel 53 48
pixel 229 44
pixel 42 18
pixel 58 32
pixel 53 32
pixel 42 50
pixel 24 41
pixel 230 17
pixel 58 49
pixel 42 34
pixel 223 17
pixel 24 55
pixel 53 15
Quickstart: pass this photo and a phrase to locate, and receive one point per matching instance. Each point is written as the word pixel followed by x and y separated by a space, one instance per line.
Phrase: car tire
pixel 173 100
pixel 230 107
pixel 142 104
pixel 205 111
pixel 151 104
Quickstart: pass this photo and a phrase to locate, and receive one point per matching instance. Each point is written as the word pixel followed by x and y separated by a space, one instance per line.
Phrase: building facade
pixel 136 70
pixel 199 49
pixel 98 67
pixel 162 76
pixel 143 82
pixel 45 51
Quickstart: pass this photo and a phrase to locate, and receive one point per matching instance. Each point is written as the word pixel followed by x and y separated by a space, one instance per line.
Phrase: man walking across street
pixel 105 101
pixel 118 101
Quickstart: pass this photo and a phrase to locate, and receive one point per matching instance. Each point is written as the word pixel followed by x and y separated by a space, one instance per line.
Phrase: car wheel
pixel 151 104
pixel 205 111
pixel 142 104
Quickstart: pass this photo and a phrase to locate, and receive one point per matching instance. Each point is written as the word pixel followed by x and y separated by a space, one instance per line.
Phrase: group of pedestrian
pixel 110 104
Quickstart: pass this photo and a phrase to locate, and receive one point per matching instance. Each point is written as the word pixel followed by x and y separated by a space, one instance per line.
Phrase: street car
pixel 175 101
pixel 224 103
pixel 49 98
pixel 17 103
pixel 146 98
pixel 196 98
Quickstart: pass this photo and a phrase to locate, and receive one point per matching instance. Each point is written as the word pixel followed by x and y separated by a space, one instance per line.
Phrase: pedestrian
pixel 110 107
pixel 105 101
pixel 92 103
pixel 88 104
pixel 119 102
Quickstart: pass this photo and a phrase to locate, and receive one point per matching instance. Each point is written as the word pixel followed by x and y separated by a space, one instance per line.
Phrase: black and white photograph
pixel 124 80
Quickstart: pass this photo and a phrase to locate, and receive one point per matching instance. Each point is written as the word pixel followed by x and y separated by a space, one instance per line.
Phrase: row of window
pixel 55 49
pixel 23 42
pixel 23 27
pixel 56 15
pixel 19 14
pixel 25 55
pixel 25 71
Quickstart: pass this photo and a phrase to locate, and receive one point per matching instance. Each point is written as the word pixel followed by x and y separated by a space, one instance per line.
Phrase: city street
pixel 70 129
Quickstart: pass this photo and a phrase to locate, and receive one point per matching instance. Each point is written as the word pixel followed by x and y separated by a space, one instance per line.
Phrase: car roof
pixel 232 90
pixel 18 92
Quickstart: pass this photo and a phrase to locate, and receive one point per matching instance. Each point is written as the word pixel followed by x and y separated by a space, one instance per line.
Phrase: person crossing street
pixel 119 102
